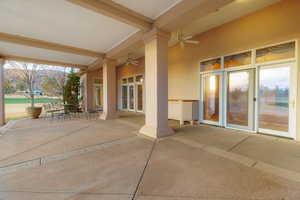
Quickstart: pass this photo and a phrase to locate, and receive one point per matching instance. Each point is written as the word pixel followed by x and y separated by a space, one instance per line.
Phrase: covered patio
pixel 188 94
pixel 108 160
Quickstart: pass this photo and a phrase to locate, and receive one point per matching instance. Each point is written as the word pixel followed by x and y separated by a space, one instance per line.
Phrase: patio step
pixel 42 161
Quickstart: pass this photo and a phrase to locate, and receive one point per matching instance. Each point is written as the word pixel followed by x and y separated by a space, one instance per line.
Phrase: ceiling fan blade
pixel 188 37
pixel 192 42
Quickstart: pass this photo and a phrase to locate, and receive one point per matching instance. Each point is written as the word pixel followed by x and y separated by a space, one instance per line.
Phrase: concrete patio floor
pixel 94 159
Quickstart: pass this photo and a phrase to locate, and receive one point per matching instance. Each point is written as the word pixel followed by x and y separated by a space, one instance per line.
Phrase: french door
pixel 98 98
pixel 276 99
pixel 211 98
pixel 240 99
pixel 131 97
pixel 139 98
pixel 124 97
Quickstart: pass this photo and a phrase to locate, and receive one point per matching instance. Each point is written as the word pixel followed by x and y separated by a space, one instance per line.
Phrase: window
pixel 139 79
pixel 130 80
pixel 209 65
pixel 278 52
pixel 124 80
pixel 237 60
pixel 98 81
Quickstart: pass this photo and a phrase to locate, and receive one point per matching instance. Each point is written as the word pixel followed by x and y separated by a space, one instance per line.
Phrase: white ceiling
pixel 230 12
pixel 31 52
pixel 61 22
pixel 149 8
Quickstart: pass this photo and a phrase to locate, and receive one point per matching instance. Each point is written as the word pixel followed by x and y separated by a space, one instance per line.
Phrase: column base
pixel 155 132
pixel 106 116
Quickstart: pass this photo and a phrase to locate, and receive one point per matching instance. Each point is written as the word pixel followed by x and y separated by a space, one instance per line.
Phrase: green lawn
pixel 26 100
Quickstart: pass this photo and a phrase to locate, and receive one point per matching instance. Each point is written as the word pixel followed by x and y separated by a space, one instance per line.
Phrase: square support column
pixel 109 90
pixel 2 104
pixel 156 85
pixel 87 82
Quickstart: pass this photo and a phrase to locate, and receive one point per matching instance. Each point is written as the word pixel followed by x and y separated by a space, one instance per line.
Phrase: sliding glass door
pixel 240 99
pixel 211 98
pixel 276 100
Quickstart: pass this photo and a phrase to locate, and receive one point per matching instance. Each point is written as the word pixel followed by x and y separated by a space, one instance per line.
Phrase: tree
pixel 51 86
pixel 29 73
pixel 20 85
pixel 8 87
pixel 71 90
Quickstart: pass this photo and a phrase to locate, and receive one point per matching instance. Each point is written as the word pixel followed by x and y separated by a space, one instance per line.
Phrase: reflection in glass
pixel 211 98
pixel 274 98
pixel 140 97
pixel 99 96
pixel 98 81
pixel 124 97
pixel 210 65
pixel 238 98
pixel 237 60
pixel 131 97
pixel 282 51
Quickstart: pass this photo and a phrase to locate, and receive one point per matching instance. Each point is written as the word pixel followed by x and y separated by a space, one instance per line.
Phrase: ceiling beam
pixel 133 42
pixel 183 13
pixel 17 39
pixel 187 11
pixel 117 12
pixel 97 64
pixel 40 61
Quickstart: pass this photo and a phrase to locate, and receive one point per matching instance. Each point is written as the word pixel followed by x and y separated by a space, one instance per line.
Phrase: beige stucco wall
pixel 273 24
pixel 91 77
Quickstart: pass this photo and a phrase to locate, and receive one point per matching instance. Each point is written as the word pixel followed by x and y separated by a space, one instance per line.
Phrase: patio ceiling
pixel 81 32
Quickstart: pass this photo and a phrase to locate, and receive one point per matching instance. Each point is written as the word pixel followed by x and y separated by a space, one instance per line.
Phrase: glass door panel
pixel 124 97
pixel 274 90
pixel 131 97
pixel 99 96
pixel 211 98
pixel 140 97
pixel 240 95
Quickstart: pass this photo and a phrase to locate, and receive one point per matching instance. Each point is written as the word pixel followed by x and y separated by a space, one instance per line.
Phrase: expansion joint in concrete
pixel 134 196
pixel 41 161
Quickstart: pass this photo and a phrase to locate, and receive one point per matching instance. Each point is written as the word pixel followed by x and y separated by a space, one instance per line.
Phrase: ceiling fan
pixel 131 61
pixel 183 40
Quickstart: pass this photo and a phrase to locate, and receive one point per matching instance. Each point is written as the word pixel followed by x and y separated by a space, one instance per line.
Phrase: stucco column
pixel 87 82
pixel 2 104
pixel 109 90
pixel 156 84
